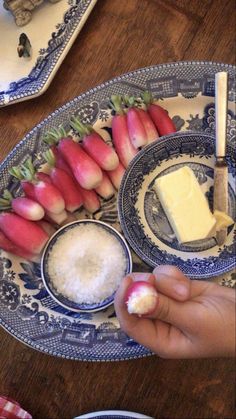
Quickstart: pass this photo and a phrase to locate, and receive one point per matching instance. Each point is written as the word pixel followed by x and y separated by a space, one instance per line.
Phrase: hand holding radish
pixel 190 319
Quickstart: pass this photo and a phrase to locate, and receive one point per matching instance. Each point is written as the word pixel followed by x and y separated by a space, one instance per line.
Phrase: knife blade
pixel 220 196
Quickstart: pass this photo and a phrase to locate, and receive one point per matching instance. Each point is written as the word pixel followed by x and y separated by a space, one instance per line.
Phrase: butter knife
pixel 220 197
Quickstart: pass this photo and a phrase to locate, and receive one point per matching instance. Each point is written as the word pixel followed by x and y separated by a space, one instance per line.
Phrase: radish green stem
pixel 78 126
pixel 116 104
pixel 50 157
pixel 5 201
pixel 147 97
pixel 16 172
pixel 54 135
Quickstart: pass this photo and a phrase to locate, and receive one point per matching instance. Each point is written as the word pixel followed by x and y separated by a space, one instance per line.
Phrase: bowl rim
pixel 42 264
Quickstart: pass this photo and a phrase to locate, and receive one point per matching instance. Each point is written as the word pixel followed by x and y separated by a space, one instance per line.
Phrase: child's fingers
pixel 171 282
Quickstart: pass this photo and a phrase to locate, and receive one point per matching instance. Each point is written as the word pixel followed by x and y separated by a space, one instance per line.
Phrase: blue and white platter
pixel 27 311
pixel 143 220
pixel 25 78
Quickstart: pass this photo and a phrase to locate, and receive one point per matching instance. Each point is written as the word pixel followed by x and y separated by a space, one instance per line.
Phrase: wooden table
pixel 119 36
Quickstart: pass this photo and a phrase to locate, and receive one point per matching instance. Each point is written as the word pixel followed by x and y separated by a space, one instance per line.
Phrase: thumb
pixel 175 313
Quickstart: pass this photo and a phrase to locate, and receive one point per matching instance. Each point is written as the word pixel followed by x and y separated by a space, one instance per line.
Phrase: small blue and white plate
pixel 143 219
pixel 25 78
pixel 27 310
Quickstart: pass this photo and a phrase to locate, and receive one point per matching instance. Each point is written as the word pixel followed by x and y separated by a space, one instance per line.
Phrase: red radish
pixel 44 192
pixel 149 126
pixel 56 218
pixel 120 134
pixel 105 189
pixel 91 201
pixel 60 162
pixel 86 171
pixel 116 175
pixel 26 207
pixel 141 298
pixel 10 247
pixel 28 189
pixel 49 197
pixel 70 218
pixel 159 116
pixel 104 155
pixel 23 233
pixel 27 186
pixel 137 132
pixel 65 183
pixel 44 177
pixel 47 227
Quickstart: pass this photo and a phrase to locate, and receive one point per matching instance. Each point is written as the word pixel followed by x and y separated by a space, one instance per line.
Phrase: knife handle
pixel 221 98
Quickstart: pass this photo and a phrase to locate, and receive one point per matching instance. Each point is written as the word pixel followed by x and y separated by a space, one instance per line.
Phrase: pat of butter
pixel 222 220
pixel 185 205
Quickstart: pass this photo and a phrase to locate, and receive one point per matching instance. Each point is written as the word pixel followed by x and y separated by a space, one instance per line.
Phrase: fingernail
pixel 180 290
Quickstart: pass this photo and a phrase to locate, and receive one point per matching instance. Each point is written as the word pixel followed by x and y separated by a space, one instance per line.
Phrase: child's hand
pixel 193 319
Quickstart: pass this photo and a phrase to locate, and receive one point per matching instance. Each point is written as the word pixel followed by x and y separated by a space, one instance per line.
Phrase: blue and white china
pixel 60 298
pixel 27 311
pixel 143 220
pixel 25 78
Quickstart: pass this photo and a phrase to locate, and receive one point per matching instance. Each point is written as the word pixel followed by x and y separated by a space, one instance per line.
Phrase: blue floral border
pixel 48 57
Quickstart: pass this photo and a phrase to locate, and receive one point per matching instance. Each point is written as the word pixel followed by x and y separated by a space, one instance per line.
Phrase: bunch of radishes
pixel 134 127
pixel 79 171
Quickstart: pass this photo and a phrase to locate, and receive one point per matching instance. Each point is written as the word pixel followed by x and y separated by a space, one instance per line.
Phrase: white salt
pixel 86 264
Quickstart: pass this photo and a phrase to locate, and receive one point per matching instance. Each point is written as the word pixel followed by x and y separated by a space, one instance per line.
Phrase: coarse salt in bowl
pixel 83 264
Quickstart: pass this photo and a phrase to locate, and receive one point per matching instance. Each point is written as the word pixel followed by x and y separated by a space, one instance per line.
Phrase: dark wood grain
pixel 119 36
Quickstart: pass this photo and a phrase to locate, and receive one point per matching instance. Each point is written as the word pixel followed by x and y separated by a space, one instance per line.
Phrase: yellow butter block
pixel 185 205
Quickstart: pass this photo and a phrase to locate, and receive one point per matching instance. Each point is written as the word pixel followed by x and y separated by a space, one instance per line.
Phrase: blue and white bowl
pixel 62 299
pixel 143 220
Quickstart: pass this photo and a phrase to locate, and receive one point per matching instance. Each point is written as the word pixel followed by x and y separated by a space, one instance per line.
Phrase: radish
pixel 10 247
pixel 149 126
pixel 91 201
pixel 47 227
pixel 45 193
pixel 86 171
pixel 26 207
pixel 28 189
pixel 27 186
pixel 141 298
pixel 137 132
pixel 60 162
pixel 23 233
pixel 70 218
pixel 116 175
pixel 56 218
pixel 105 189
pixel 159 116
pixel 120 134
pixel 44 177
pixel 65 183
pixel 104 155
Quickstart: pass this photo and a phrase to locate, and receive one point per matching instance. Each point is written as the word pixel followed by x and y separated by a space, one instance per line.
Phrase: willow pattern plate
pixel 26 309
pixel 25 78
pixel 143 219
